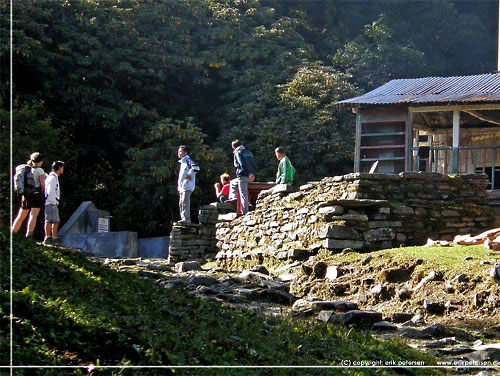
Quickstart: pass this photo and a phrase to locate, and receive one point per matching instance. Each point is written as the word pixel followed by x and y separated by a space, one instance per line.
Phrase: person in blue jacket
pixel 186 183
pixel 245 173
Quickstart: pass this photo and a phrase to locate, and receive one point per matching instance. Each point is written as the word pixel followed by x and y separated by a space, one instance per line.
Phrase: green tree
pixel 101 75
pixel 376 57
pixel 151 203
pixel 32 130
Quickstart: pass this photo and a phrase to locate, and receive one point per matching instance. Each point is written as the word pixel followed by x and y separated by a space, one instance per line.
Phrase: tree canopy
pixel 112 87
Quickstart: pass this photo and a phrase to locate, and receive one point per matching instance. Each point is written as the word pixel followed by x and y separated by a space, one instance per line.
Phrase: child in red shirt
pixel 222 190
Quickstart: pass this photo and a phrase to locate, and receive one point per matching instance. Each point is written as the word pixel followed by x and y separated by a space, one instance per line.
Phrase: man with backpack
pixel 245 173
pixel 186 183
pixel 29 182
pixel 52 197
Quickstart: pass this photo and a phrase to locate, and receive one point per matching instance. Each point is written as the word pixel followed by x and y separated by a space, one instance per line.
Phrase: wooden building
pixel 449 125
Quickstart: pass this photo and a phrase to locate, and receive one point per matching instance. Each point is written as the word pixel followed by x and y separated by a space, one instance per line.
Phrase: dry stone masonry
pixel 197 240
pixel 359 211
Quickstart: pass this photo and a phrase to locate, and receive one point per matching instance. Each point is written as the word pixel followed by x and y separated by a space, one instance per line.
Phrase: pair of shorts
pixel 33 201
pixel 52 214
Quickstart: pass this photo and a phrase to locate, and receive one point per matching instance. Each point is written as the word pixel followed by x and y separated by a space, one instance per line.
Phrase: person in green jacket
pixel 286 172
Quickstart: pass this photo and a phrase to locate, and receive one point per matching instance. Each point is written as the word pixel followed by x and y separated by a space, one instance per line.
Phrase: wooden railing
pixel 462 160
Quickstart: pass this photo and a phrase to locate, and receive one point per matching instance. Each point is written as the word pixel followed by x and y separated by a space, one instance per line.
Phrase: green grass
pixel 449 259
pixel 68 310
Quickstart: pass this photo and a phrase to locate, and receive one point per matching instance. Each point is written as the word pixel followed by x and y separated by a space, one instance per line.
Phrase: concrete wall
pixel 104 244
pixel 153 247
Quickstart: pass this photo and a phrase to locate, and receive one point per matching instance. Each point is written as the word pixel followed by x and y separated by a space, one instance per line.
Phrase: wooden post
pixel 409 143
pixel 456 141
pixel 357 147
pixel 431 154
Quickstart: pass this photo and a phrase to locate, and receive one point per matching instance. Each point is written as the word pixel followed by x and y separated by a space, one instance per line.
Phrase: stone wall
pixel 195 241
pixel 359 211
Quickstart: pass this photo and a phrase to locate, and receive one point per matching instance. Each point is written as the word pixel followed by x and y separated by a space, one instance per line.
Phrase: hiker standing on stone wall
pixel 186 183
pixel 286 172
pixel 245 173
pixel 33 183
pixel 52 197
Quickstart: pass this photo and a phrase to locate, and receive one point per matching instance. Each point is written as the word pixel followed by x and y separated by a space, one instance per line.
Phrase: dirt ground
pixel 381 284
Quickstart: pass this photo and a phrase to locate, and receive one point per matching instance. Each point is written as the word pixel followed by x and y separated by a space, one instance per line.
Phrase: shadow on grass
pixel 72 311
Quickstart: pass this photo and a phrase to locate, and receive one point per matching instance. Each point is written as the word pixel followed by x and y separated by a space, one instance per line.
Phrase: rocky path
pixel 470 351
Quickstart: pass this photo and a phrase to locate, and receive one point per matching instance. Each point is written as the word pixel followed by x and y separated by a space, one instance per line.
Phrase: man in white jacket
pixel 52 196
pixel 186 183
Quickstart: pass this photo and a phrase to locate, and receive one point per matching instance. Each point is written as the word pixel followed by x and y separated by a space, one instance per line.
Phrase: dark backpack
pixel 24 181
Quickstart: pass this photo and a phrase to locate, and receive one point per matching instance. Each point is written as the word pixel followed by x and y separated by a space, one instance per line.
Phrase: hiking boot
pixel 183 222
pixel 56 240
pixel 47 240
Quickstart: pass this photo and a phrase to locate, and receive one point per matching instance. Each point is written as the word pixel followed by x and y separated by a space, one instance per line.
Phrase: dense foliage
pixel 69 310
pixel 95 82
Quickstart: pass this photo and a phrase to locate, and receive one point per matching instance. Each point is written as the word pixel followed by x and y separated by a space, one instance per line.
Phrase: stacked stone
pixel 195 241
pixel 359 211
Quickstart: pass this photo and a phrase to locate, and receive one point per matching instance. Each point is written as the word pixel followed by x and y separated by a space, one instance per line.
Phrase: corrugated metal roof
pixel 482 88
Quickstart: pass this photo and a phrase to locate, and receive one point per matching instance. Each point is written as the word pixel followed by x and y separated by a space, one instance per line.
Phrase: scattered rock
pixel 319 269
pixel 278 296
pixel 357 318
pixel 478 299
pixel 307 269
pixel 458 350
pixel 418 319
pixel 404 294
pixel 186 266
pixel 202 280
pixel 441 331
pixel 206 290
pixel 486 355
pixel 490 346
pixel 381 292
pixel 367 260
pixel 396 275
pixel 495 274
pixel 441 342
pixel 160 267
pixel 146 274
pixel 434 308
pixel 301 304
pixel 384 326
pixel 338 306
pixel 297 253
pixel 461 278
pixel 400 317
pixel 429 277
pixel 333 272
pixel 324 316
pixel 260 269
pixel 255 277
pixel 414 333
pixel 287 277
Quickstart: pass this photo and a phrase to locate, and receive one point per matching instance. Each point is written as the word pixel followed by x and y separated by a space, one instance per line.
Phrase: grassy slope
pixel 449 261
pixel 69 310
